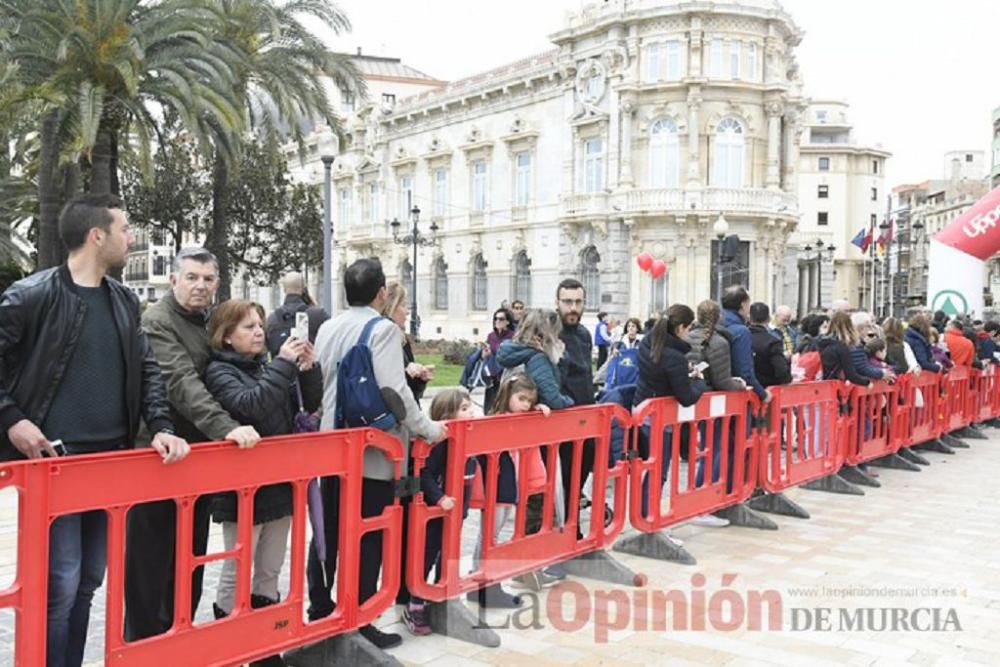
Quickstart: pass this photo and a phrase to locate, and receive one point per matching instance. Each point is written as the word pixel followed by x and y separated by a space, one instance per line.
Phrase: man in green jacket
pixel 176 329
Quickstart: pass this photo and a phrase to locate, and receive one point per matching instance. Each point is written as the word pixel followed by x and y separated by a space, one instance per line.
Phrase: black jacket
pixel 576 366
pixel 769 363
pixel 259 395
pixel 670 376
pixel 838 363
pixel 279 325
pixel 40 321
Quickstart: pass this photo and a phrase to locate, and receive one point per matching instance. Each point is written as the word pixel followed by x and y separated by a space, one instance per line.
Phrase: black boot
pixel 256 602
pixel 217 610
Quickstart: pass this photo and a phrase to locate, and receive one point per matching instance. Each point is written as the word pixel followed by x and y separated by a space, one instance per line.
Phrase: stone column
pixel 694 132
pixel 793 133
pixel 626 111
pixel 774 110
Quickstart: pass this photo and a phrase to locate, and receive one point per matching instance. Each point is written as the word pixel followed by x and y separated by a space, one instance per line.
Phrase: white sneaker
pixel 676 541
pixel 709 521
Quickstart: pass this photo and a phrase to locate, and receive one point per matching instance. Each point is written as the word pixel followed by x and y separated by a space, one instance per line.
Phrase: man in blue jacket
pixel 735 309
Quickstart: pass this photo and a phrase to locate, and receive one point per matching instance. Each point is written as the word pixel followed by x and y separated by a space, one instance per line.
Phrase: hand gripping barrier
pixel 955 409
pixel 487 439
pixel 805 436
pixel 49 488
pixel 716 433
pixel 873 411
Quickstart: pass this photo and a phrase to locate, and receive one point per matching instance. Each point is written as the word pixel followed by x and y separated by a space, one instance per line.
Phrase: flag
pixel 859 239
pixel 867 241
pixel 885 238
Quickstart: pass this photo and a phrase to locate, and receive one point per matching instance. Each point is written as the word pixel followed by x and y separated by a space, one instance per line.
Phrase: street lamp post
pixel 327 236
pixel 416 240
pixel 720 228
pixel 821 247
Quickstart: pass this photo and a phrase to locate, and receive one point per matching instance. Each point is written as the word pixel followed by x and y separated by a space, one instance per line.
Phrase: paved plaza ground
pixel 924 540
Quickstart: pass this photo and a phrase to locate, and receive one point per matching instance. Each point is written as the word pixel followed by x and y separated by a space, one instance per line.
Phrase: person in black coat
pixel 397 310
pixel 264 396
pixel 769 362
pixel 664 370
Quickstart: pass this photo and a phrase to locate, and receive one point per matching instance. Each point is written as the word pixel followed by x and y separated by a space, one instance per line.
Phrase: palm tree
pixel 101 69
pixel 282 86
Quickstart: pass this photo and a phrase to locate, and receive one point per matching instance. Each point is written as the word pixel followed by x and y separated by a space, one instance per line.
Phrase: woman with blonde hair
pixel 835 350
pixel 537 347
pixel 397 310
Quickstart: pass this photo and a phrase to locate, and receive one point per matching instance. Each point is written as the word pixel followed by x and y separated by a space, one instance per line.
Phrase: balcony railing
pixel 654 201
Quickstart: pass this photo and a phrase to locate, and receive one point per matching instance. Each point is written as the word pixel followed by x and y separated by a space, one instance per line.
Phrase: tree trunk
pixel 217 240
pixel 50 190
pixel 6 237
pixel 100 162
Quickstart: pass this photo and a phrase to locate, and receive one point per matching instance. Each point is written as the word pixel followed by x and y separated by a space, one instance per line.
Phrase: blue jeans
pixel 699 477
pixel 77 558
pixel 645 446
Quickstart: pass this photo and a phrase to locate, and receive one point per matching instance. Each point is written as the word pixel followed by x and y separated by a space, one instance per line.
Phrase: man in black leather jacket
pixel 76 367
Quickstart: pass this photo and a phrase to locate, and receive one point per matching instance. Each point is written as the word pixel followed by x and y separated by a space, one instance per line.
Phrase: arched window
pixel 729 153
pixel 479 283
pixel 522 277
pixel 440 284
pixel 406 276
pixel 590 276
pixel 664 154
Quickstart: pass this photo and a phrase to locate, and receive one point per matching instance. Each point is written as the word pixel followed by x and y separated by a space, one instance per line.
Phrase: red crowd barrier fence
pixel 873 412
pixel 806 435
pixel 955 409
pixel 488 440
pixel 49 488
pixel 718 436
pixel 919 407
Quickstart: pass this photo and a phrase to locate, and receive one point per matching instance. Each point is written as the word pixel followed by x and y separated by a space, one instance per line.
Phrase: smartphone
pixel 701 366
pixel 58 447
pixel 301 330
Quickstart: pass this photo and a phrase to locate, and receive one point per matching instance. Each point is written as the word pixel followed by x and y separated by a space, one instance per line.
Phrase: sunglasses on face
pixel 499 319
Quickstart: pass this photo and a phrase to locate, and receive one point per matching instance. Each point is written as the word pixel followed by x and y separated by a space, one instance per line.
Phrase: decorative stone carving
pixel 591 87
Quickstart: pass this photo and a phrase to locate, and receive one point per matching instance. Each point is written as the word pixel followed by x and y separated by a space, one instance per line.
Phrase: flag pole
pixel 871 251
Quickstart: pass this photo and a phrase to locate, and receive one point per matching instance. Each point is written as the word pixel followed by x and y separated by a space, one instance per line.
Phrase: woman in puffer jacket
pixel 262 395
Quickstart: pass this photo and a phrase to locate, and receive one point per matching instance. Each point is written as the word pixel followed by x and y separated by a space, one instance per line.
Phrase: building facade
pixel 841 191
pixel 645 123
pixel 995 161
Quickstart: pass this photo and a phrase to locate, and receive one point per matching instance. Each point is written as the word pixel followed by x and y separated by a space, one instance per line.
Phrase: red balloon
pixel 658 268
pixel 644 260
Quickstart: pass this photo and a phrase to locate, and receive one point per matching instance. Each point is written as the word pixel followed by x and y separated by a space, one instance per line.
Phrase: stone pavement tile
pixel 743 648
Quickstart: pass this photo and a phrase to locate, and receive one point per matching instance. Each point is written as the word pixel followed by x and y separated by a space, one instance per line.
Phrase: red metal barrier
pixel 49 488
pixel 983 386
pixel 715 422
pixel 955 409
pixel 805 436
pixel 918 409
pixel 874 411
pixel 490 437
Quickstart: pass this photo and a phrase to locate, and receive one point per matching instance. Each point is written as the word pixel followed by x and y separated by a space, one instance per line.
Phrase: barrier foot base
pixel 935 445
pixel 744 517
pixel 913 457
pixel 953 441
pixel 970 433
pixel 347 649
pixel 778 503
pixel 995 422
pixel 833 484
pixel 655 545
pixel 854 475
pixel 895 462
pixel 600 565
pixel 453 619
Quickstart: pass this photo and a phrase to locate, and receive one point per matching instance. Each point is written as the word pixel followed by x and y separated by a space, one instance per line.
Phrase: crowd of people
pixel 186 370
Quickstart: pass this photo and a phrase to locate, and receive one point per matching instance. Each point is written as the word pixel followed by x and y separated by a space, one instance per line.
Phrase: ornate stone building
pixel 648 121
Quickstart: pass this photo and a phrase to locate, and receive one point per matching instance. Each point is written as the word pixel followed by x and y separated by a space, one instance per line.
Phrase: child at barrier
pixel 518 394
pixel 448 404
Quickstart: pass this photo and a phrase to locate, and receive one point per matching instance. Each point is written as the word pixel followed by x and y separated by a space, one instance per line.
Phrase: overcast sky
pixel 921 77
